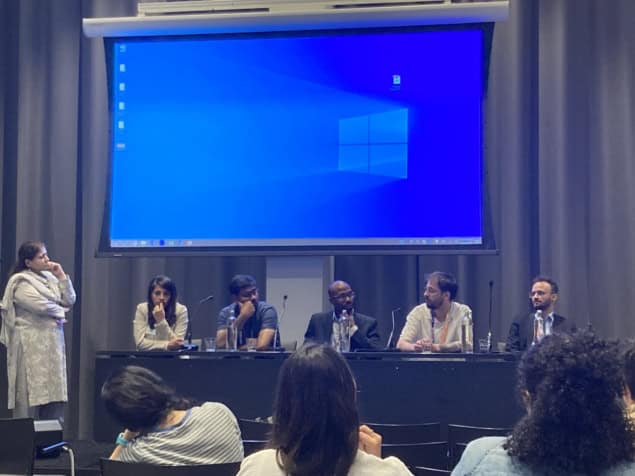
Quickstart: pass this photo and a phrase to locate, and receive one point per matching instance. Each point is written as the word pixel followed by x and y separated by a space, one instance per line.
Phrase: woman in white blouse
pixel 161 322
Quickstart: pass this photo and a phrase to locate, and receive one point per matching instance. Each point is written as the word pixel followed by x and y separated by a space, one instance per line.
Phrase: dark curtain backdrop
pixel 559 168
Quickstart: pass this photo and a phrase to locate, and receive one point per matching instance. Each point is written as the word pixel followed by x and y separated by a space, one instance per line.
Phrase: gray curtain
pixel 559 169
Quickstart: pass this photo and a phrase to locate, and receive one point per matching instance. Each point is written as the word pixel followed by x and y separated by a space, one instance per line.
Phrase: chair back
pixel 290 345
pixel 393 433
pixel 17 445
pixel 460 435
pixel 423 471
pixel 254 429
pixel 251 446
pixel 119 468
pixel 431 454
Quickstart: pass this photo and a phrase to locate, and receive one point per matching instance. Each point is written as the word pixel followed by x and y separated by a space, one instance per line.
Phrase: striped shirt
pixel 207 434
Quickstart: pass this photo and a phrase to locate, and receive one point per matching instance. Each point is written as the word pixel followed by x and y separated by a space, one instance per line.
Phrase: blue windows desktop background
pixel 322 136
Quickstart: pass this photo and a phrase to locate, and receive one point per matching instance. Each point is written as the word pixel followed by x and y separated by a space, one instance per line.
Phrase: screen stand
pixel 304 280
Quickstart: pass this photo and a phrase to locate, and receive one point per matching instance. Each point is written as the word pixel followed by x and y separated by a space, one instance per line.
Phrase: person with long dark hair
pixel 164 429
pixel 36 299
pixel 316 428
pixel 160 323
pixel 572 388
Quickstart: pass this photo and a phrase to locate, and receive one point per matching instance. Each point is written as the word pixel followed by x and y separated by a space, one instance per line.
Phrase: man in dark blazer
pixel 543 297
pixel 362 329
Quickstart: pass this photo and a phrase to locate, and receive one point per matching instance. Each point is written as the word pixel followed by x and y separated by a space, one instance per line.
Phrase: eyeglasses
pixel 343 296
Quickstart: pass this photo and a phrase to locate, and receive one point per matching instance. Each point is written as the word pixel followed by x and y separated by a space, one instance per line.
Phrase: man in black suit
pixel 542 321
pixel 326 327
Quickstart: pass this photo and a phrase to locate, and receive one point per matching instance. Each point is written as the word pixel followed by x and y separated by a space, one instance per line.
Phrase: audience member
pixel 315 423
pixel 571 386
pixel 164 429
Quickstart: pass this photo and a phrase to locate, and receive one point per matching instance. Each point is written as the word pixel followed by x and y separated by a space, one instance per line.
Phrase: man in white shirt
pixel 435 326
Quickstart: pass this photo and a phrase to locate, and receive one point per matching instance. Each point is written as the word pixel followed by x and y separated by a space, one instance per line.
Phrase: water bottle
pixel 466 333
pixel 232 331
pixel 538 327
pixel 345 342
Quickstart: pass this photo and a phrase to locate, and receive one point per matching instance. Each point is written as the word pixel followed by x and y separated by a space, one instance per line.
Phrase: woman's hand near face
pixel 56 269
pixel 158 313
pixel 369 441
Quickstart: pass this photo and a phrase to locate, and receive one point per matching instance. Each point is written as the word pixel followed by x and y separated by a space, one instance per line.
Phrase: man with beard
pixel 435 326
pixel 254 318
pixel 541 321
pixel 326 327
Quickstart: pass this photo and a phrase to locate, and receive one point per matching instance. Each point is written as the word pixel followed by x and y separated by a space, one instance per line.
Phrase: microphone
pixel 538 329
pixel 275 334
pixel 489 316
pixel 392 329
pixel 189 345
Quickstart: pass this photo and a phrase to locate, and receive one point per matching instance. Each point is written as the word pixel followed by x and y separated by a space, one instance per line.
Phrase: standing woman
pixel 35 301
pixel 161 322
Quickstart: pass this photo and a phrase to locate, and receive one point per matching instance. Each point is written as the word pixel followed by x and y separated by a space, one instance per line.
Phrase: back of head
pixel 572 385
pixel 137 398
pixel 315 421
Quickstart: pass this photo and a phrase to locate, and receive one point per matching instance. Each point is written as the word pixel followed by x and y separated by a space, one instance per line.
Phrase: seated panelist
pixel 161 322
pixel 435 325
pixel 529 328
pixel 324 327
pixel 254 319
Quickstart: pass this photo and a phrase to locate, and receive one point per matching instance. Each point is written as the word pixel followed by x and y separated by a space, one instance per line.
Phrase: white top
pixel 419 326
pixel 487 457
pixel 158 338
pixel 263 463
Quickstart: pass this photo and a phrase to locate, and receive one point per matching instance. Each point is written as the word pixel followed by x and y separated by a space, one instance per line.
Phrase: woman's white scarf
pixel 7 309
pixel 7 305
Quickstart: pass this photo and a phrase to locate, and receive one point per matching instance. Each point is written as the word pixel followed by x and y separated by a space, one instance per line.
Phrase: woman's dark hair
pixel 170 308
pixel 576 422
pixel 27 250
pixel 315 421
pixel 138 399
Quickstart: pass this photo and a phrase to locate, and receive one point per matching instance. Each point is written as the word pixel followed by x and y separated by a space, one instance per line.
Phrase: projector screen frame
pixel 486 247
